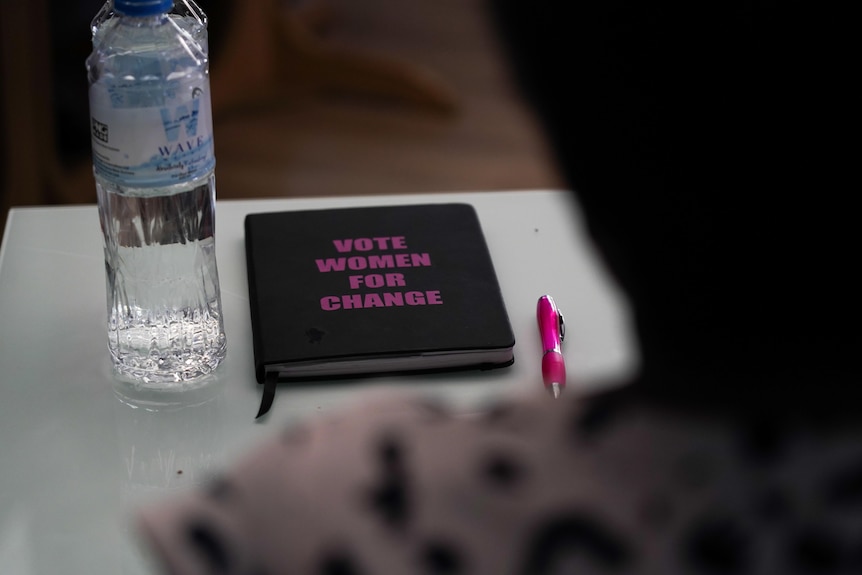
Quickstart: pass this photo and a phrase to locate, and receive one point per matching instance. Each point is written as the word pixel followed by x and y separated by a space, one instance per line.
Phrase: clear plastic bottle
pixel 154 165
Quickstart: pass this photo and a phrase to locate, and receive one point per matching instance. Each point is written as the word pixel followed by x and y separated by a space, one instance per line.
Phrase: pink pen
pixel 552 329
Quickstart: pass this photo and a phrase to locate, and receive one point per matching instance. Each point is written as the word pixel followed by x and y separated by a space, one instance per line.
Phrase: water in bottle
pixel 153 161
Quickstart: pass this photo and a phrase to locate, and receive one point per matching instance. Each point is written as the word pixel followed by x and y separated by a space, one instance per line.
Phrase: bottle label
pixel 152 146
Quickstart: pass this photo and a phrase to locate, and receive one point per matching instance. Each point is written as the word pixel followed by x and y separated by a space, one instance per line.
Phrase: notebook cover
pixel 391 288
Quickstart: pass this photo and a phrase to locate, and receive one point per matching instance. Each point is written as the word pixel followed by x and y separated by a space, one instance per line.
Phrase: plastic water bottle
pixel 153 162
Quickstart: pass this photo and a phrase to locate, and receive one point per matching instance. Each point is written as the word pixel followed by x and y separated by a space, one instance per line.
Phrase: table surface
pixel 76 456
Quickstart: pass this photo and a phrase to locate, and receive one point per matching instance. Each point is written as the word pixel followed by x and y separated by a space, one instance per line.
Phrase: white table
pixel 74 458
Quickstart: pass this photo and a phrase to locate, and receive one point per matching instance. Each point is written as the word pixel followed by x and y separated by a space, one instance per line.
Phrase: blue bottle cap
pixel 142 7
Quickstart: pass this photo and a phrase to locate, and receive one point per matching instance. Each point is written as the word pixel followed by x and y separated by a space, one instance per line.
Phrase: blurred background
pixel 311 98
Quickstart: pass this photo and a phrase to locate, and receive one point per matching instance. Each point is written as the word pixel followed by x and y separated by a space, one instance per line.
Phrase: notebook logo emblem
pixel 314 335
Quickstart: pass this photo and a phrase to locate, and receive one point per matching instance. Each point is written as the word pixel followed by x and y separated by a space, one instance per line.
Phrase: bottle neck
pixel 149 21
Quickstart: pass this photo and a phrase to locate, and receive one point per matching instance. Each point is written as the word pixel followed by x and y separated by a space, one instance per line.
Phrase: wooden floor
pixel 340 146
pixel 353 144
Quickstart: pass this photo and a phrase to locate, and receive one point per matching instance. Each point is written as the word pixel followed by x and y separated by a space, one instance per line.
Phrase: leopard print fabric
pixel 399 485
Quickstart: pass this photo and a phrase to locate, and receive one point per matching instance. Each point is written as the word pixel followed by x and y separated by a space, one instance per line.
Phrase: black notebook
pixel 360 291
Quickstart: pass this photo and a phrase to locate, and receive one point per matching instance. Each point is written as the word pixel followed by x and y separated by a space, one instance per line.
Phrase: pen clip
pixel 562 324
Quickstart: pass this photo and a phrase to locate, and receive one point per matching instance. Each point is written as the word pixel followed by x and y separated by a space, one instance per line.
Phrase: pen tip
pixel 555 390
